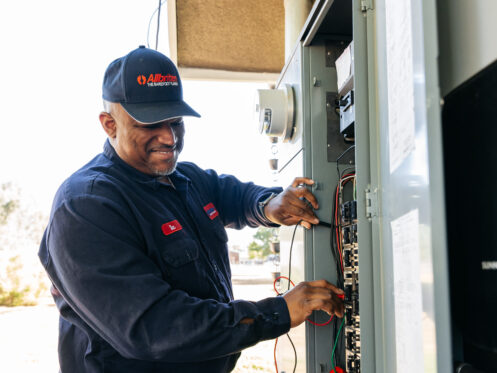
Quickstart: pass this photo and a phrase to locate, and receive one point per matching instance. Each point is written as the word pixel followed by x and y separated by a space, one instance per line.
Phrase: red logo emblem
pixel 211 211
pixel 159 78
pixel 141 79
pixel 171 227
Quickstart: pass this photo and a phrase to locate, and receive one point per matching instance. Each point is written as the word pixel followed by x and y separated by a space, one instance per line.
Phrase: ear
pixel 108 124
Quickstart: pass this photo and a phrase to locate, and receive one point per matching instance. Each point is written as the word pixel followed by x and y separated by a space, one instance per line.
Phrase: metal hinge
pixel 371 203
pixel 366 5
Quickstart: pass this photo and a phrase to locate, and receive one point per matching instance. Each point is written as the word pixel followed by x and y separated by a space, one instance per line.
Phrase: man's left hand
pixel 293 205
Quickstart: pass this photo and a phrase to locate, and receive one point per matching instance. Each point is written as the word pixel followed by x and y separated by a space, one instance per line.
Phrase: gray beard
pixel 161 173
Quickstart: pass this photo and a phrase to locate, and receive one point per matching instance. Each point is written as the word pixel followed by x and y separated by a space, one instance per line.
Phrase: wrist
pixel 262 204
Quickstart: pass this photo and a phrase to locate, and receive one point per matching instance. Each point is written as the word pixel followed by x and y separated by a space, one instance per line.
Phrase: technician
pixel 136 246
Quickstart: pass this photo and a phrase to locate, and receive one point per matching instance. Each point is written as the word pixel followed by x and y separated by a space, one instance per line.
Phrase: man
pixel 136 244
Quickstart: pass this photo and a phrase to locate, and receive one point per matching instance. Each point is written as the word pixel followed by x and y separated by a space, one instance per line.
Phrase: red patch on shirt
pixel 171 227
pixel 211 211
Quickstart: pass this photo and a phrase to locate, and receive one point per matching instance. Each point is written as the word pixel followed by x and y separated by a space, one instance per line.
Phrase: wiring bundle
pixel 345 254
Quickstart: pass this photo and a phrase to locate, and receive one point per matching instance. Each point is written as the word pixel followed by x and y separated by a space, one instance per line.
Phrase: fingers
pixel 294 205
pixel 300 211
pixel 304 193
pixel 305 224
pixel 302 180
pixel 322 299
pixel 287 209
pixel 326 284
pixel 333 306
pixel 312 296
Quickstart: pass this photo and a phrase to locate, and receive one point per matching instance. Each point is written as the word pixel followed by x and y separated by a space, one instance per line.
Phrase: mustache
pixel 163 147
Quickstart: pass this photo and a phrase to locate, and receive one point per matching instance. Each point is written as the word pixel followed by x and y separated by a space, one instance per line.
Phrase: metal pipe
pixel 296 12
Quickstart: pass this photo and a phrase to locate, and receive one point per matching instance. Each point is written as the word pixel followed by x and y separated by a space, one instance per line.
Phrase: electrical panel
pixel 367 129
pixel 319 150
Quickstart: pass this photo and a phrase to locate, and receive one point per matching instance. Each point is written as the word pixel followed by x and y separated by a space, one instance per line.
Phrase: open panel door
pixel 406 195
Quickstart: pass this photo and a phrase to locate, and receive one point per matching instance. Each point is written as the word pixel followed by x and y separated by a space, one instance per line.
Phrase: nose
pixel 166 135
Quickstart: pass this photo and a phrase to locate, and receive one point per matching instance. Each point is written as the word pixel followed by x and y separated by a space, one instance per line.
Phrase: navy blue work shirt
pixel 141 270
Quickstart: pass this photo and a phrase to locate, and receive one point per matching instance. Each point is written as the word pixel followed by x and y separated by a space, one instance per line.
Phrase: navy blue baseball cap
pixel 147 85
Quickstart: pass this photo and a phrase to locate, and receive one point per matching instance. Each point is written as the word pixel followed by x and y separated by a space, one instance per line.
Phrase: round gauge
pixel 275 112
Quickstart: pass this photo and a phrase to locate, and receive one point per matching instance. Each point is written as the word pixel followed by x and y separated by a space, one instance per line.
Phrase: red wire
pixel 275 363
pixel 291 282
pixel 312 322
pixel 323 324
pixel 336 229
pixel 276 279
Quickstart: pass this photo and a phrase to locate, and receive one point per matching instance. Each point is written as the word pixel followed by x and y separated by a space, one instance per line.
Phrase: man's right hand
pixel 312 296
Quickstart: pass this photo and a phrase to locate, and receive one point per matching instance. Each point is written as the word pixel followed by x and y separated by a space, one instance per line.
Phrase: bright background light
pixel 54 54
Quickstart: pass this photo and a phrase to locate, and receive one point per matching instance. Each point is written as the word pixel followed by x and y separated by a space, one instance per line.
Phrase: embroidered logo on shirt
pixel 171 227
pixel 211 211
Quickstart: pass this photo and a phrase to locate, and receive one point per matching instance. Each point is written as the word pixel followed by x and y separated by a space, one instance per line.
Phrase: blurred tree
pixel 21 228
pixel 259 248
pixel 7 205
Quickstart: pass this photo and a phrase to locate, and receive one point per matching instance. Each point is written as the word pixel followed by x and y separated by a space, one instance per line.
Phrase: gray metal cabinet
pixel 405 318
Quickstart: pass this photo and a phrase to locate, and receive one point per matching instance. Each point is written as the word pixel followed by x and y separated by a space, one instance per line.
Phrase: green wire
pixel 336 342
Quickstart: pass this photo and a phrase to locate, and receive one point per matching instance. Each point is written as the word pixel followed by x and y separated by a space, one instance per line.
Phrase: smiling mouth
pixel 164 153
pixel 164 150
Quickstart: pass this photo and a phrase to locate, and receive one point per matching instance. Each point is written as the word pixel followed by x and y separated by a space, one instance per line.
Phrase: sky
pixel 53 59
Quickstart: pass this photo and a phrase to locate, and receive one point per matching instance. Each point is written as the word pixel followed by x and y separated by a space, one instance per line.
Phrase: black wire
pixel 290 257
pixel 158 26
pixel 345 170
pixel 341 155
pixel 334 243
pixel 345 152
pixel 336 327
pixel 291 159
pixel 294 353
pixel 150 22
pixel 334 248
pixel 288 288
pixel 334 362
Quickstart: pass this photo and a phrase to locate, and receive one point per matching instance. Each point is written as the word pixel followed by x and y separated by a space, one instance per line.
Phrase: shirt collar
pixel 177 177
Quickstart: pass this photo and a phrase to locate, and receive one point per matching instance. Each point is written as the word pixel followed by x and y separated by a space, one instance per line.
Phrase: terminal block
pixel 349 234
pixel 350 255
pixel 353 364
pixel 348 213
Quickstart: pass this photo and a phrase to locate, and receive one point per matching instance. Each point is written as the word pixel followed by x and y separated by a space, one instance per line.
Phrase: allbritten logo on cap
pixel 158 80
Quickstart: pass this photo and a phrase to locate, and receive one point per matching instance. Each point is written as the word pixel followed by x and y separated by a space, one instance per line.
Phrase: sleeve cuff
pixel 275 319
pixel 271 317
